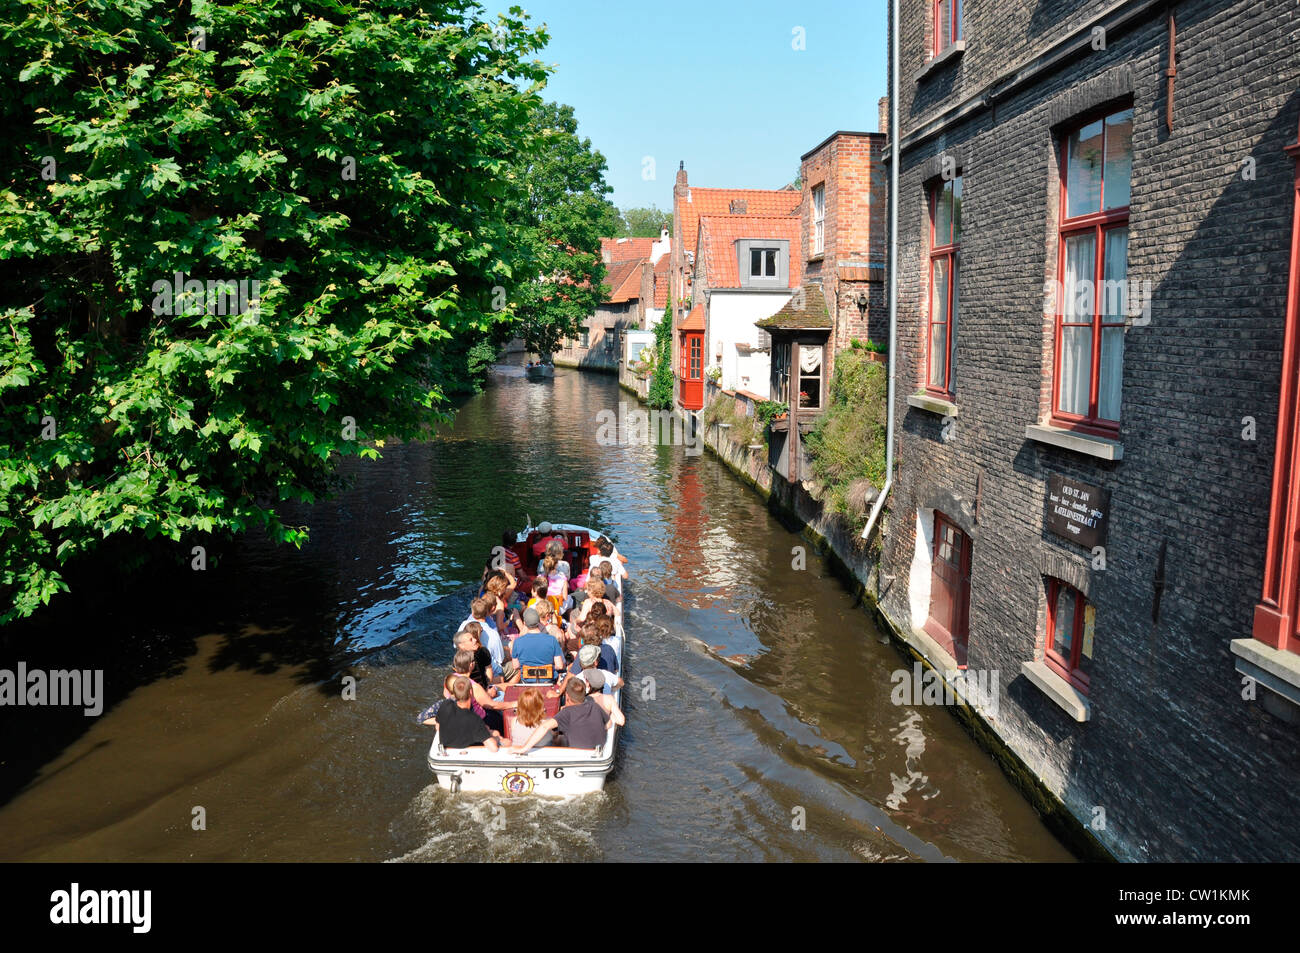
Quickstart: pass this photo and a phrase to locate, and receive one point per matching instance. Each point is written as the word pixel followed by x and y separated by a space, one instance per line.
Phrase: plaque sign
pixel 1077 511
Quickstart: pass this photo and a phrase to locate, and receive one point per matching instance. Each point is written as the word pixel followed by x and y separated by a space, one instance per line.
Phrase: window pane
pixel 755 262
pixel 943 215
pixel 810 392
pixel 956 210
pixel 938 345
pixel 1119 158
pixel 1111 373
pixel 1089 632
pixel 1080 265
pixel 1114 297
pixel 1083 172
pixel 1064 628
pixel 944 25
pixel 952 323
pixel 771 262
pixel 1076 369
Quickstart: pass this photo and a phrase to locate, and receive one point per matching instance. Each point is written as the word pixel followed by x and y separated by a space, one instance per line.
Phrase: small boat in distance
pixel 539 370
pixel 555 771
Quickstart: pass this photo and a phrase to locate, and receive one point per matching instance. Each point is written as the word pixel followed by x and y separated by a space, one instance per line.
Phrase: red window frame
pixel 949 253
pixel 944 39
pixel 1068 668
pixel 1098 224
pixel 696 346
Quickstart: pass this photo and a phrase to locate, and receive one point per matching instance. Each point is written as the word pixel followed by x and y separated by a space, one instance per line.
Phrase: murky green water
pixel 770 733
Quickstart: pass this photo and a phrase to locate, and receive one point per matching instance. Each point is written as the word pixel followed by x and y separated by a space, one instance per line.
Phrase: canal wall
pixel 857 564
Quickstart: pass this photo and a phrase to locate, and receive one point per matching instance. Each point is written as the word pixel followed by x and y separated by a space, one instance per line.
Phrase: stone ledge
pixel 930 650
pixel 954 50
pixel 1073 701
pixel 931 404
pixel 1099 447
pixel 1276 670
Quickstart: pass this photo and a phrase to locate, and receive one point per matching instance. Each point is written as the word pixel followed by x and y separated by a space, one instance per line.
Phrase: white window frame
pixel 819 219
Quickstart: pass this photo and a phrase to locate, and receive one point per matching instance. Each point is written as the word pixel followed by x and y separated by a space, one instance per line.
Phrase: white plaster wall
pixel 653 316
pixel 918 578
pixel 661 247
pixel 731 320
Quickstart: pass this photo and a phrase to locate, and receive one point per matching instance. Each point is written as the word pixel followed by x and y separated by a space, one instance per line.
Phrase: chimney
pixel 884 115
pixel 681 172
pixel 739 206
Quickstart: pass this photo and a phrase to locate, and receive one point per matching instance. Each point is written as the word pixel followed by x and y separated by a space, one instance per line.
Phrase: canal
pixel 760 720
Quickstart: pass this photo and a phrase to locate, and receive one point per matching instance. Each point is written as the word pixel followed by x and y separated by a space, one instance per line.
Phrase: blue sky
pixel 715 82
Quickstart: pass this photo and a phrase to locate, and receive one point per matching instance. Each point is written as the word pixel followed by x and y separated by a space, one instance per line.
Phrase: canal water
pixel 760 719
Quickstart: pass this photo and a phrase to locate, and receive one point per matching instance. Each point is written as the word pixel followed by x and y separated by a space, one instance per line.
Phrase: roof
pixel 698 202
pixel 835 135
pixel 805 309
pixel 624 280
pixel 694 321
pixel 718 237
pixel 662 274
pixel 623 249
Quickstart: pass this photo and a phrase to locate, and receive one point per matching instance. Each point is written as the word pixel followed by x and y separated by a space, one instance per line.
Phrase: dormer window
pixel 762 262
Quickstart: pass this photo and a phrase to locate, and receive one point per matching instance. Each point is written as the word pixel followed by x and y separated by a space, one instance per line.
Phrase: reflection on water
pixel 760 724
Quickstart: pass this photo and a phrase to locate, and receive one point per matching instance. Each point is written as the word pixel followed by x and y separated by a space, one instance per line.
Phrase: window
pixel 947 24
pixel 810 376
pixel 819 219
pixel 762 262
pixel 1096 166
pixel 584 338
pixel 1070 622
pixel 945 245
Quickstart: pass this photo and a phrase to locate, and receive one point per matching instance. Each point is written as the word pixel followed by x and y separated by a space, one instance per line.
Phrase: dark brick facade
pixel 1183 767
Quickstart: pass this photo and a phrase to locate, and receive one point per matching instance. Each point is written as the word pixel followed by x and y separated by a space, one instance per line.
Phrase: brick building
pixel 1095 255
pixel 689 204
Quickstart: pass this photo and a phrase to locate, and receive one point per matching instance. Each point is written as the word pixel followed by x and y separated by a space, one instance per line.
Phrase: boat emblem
pixel 517 782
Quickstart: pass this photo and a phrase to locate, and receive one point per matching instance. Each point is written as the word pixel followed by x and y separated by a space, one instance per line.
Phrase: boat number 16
pixel 552 772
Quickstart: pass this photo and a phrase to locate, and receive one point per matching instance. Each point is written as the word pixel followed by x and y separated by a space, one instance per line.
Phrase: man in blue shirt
pixel 533 647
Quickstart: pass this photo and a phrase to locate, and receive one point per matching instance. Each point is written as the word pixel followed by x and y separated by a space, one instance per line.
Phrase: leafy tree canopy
pixel 239 240
pixel 643 223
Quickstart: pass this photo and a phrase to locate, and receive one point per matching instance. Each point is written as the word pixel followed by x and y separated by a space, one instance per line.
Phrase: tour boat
pixel 539 371
pixel 554 771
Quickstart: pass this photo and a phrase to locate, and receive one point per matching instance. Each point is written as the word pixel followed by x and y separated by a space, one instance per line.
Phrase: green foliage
pixel 643 223
pixel 229 155
pixel 768 410
pixel 659 395
pixel 561 213
pixel 847 444
pixel 742 429
pixel 874 346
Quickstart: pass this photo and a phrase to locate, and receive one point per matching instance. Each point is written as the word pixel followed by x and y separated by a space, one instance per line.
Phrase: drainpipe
pixel 893 271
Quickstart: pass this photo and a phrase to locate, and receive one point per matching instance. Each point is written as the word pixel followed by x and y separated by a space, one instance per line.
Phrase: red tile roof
pixel 624 249
pixel 695 320
pixel 662 267
pixel 718 202
pixel 624 280
pixel 719 234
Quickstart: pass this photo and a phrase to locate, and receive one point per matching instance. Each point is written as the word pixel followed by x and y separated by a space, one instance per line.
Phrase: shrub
pixel 847 444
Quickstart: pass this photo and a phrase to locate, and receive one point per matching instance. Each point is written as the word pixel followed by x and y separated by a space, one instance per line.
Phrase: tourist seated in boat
pixel 489 635
pixel 550 620
pixel 608 552
pixel 469 638
pixel 534 648
pixel 594 596
pixel 613 590
pixel 486 698
pixel 588 667
pixel 458 726
pixel 583 721
pixel 513 561
pixel 430 714
pixel 500 586
pixel 529 714
pixel 598 631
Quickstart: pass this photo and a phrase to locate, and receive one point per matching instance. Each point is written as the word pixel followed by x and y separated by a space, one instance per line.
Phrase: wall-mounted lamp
pixel 862 302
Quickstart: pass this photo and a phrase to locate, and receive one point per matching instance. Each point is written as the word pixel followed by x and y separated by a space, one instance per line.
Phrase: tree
pixel 240 240
pixel 659 394
pixel 559 216
pixel 644 223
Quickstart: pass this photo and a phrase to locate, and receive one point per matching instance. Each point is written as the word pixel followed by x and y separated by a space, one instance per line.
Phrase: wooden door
pixel 950 588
